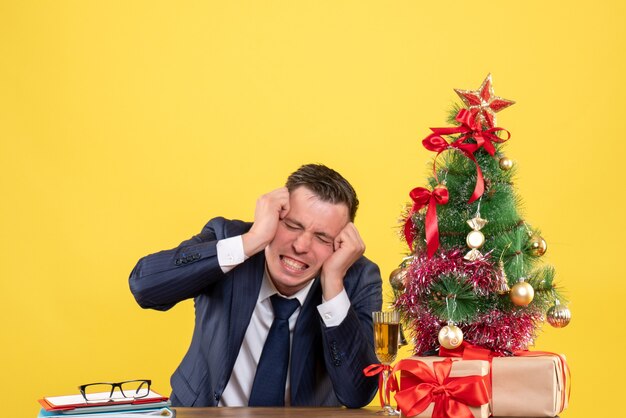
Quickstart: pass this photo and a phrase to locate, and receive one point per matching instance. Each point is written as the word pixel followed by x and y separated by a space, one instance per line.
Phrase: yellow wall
pixel 125 125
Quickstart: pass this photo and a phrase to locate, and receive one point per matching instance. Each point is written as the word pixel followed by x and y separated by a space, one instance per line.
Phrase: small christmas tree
pixel 473 268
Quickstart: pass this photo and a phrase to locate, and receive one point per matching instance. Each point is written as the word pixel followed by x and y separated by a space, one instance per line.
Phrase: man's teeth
pixel 294 264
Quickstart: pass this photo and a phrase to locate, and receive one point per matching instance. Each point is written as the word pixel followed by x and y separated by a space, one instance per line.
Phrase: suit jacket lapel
pixel 306 333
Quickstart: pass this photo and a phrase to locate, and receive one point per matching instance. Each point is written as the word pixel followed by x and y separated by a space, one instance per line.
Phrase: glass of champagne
pixel 386 345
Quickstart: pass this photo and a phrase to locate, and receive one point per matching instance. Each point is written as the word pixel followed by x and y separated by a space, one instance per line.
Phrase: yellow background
pixel 126 125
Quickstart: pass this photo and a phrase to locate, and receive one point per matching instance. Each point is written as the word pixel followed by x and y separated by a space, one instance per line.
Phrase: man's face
pixel 304 240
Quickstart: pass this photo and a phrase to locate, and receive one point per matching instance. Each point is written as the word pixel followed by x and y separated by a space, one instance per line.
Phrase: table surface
pixel 292 412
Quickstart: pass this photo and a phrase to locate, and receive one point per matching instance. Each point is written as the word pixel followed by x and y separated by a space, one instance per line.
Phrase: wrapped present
pixel 530 384
pixel 443 387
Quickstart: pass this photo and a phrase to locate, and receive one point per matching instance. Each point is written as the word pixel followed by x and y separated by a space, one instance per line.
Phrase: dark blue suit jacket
pixel 326 362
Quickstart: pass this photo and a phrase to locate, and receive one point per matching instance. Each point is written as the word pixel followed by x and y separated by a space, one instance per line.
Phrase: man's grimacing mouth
pixel 294 264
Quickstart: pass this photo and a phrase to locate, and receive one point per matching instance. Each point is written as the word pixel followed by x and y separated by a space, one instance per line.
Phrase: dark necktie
pixel 268 388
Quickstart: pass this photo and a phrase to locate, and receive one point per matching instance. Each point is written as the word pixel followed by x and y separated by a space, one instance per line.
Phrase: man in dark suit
pixel 302 246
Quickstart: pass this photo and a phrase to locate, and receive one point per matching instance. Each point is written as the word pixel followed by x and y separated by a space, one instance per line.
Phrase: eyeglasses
pixel 104 392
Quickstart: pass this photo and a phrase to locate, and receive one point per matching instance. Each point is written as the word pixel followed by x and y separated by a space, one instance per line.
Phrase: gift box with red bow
pixel 527 384
pixel 442 387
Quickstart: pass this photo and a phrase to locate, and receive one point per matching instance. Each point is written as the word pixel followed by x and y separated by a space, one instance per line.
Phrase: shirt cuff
pixel 334 311
pixel 230 253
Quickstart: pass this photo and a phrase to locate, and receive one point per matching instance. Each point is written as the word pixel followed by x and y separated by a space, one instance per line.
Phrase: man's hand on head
pixel 348 247
pixel 270 209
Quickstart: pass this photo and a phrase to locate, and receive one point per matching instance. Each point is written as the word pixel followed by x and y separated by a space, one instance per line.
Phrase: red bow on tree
pixel 470 128
pixel 452 396
pixel 422 197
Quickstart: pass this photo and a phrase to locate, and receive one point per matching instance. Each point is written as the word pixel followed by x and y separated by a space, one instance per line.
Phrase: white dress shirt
pixel 237 392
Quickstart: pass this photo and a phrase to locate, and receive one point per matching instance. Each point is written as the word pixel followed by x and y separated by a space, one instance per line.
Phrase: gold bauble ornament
pixel 506 163
pixel 558 316
pixel 397 278
pixel 522 293
pixel 450 336
pixel 538 245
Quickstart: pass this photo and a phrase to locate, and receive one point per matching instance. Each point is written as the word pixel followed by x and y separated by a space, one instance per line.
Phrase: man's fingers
pixel 270 208
pixel 350 237
pixel 284 209
pixel 274 203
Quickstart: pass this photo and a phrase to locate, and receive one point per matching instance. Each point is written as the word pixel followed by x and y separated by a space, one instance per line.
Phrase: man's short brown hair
pixel 327 184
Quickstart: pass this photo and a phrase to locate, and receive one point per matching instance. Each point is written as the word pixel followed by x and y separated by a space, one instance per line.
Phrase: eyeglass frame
pixel 113 386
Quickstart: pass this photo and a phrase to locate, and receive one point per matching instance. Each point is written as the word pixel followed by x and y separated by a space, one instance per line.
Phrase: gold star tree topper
pixel 484 103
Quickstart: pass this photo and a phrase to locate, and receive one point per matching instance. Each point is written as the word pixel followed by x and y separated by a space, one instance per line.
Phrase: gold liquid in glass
pixel 386 332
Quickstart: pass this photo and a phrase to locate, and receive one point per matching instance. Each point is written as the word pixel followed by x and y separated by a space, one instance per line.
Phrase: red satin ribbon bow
pixel 392 383
pixel 473 129
pixel 470 128
pixel 422 197
pixel 469 351
pixel 452 396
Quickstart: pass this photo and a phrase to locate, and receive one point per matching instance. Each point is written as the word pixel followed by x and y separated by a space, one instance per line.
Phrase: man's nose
pixel 302 243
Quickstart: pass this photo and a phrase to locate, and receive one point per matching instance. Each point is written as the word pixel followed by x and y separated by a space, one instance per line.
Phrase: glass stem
pixel 386 400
